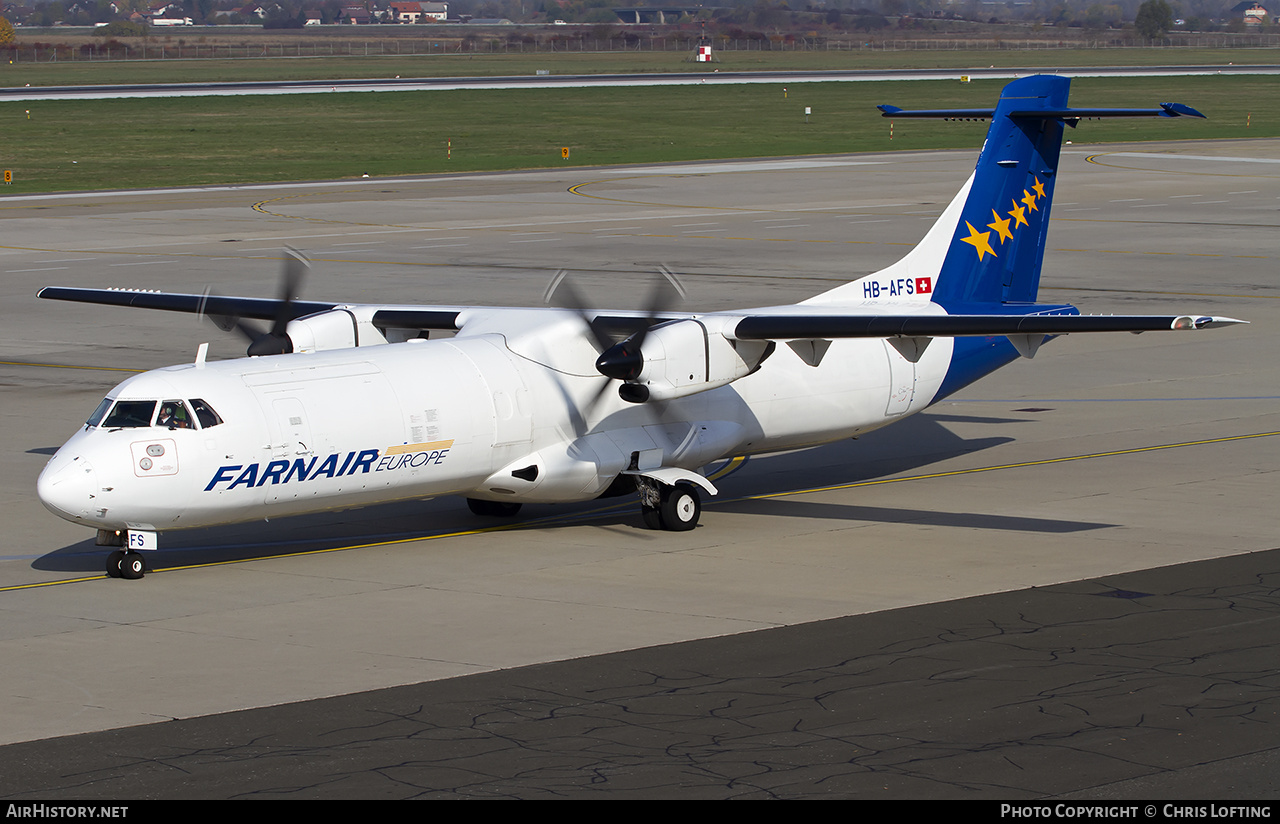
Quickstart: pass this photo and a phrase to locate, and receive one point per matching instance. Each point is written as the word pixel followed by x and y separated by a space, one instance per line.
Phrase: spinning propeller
pixel 273 341
pixel 622 360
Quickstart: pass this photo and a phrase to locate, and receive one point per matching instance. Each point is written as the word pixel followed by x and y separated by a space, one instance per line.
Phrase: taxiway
pixel 1050 584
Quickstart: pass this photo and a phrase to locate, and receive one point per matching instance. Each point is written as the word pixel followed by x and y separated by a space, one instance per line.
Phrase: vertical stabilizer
pixel 998 242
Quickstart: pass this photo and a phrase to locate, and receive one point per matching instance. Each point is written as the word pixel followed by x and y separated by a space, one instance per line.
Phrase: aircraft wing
pixel 257 308
pixel 752 327
pixel 443 318
pixel 796 327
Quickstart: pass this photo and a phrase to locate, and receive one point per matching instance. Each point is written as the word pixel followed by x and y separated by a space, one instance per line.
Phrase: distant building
pixel 1253 13
pixel 355 16
pixel 417 12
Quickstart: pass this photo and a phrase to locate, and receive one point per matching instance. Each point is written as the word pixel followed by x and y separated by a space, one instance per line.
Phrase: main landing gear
pixel 673 508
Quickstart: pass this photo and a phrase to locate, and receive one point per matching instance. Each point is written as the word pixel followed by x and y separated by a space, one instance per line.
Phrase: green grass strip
pixel 111 144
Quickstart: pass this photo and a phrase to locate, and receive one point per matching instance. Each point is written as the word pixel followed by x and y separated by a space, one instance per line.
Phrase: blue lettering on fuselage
pixel 301 469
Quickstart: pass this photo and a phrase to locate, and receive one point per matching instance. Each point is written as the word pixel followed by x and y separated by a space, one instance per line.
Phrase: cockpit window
pixel 129 414
pixel 96 417
pixel 205 414
pixel 174 415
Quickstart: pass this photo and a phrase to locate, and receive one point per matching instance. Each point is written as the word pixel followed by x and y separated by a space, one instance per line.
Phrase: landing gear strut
pixel 673 508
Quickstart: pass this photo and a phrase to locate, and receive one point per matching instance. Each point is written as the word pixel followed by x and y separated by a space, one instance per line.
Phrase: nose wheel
pixel 128 565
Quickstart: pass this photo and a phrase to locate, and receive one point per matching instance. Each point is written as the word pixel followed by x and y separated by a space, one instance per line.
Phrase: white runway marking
pixel 757 166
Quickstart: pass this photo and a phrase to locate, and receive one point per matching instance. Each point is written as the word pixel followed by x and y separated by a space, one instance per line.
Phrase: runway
pixel 568 81
pixel 1060 582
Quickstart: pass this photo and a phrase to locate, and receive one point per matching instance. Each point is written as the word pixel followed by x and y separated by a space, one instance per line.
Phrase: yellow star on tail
pixel 1039 187
pixel 1001 227
pixel 1030 200
pixel 1018 214
pixel 979 241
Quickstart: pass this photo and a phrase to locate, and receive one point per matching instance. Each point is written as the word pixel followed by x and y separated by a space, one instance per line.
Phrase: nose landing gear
pixel 128 565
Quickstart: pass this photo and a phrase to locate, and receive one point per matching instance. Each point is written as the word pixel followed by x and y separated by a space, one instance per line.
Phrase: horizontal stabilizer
pixel 793 327
pixel 1165 110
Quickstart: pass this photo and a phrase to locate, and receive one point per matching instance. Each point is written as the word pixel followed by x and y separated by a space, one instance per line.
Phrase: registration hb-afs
pixel 358 406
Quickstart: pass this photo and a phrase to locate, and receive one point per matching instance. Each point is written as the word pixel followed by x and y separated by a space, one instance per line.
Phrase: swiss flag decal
pixel 924 286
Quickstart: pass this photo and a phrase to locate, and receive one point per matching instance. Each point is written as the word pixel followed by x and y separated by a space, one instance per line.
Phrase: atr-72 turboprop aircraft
pixel 343 405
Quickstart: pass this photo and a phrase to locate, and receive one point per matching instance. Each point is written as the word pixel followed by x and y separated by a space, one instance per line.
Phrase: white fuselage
pixel 491 416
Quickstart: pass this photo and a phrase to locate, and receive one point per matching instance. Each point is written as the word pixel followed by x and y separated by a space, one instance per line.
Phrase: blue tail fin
pixel 987 246
pixel 998 243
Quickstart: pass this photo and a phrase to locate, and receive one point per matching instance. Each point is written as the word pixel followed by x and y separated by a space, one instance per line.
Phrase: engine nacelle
pixel 679 358
pixel 335 329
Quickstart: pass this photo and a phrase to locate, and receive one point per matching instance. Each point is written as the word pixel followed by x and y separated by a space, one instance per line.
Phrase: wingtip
pixel 1204 322
pixel 1180 110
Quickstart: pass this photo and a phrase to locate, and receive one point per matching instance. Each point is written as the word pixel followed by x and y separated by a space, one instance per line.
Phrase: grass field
pixel 89 145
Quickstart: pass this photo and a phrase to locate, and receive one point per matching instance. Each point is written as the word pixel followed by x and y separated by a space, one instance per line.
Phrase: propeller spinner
pixel 624 361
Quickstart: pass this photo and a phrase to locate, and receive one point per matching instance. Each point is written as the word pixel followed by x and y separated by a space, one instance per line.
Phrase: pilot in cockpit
pixel 173 414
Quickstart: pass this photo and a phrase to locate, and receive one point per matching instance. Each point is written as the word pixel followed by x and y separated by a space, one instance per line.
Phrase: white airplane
pixel 346 405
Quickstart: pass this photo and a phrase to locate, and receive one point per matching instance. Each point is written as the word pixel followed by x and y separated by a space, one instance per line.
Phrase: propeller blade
pixel 273 341
pixel 618 361
pixel 668 289
pixel 294 269
pixel 561 292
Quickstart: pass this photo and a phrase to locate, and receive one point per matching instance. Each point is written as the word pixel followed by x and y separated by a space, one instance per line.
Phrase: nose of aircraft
pixel 67 487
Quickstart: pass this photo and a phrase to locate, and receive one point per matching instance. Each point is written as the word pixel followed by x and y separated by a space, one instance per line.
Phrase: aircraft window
pixel 205 414
pixel 99 413
pixel 128 414
pixel 174 415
